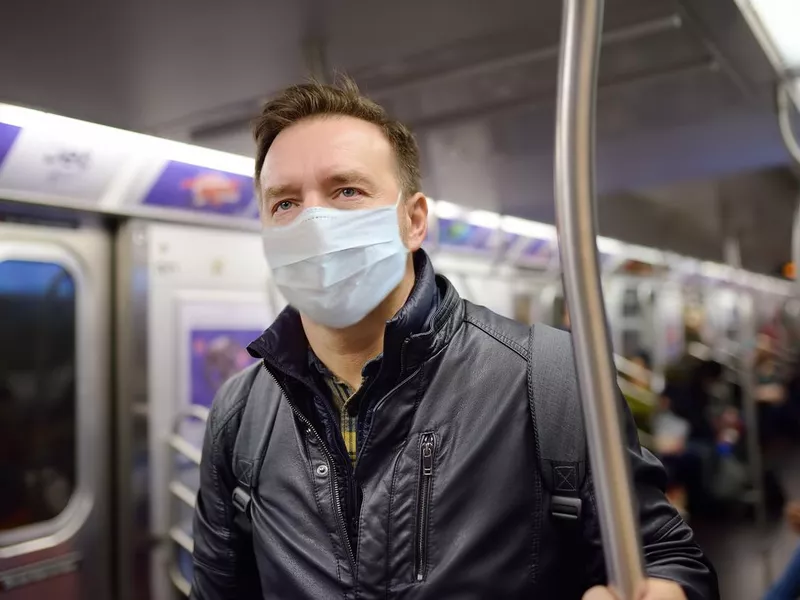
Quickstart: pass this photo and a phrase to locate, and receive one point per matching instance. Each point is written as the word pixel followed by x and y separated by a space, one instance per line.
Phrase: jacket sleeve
pixel 224 563
pixel 670 551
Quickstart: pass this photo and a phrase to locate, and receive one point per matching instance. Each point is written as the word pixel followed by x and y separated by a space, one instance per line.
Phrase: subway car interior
pixel 132 275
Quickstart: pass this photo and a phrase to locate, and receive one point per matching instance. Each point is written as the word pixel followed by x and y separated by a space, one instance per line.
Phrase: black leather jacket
pixel 477 529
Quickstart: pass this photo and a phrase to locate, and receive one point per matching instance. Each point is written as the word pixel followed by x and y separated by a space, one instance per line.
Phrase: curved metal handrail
pixel 574 190
pixel 179 581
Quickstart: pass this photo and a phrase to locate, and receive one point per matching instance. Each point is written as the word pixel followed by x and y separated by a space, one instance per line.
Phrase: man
pixel 787 587
pixel 397 455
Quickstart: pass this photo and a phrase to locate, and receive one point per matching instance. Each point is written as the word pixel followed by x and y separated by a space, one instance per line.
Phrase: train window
pixel 37 392
pixel 631 306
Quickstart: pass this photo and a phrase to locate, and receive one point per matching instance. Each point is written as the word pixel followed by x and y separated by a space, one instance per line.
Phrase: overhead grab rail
pixel 575 211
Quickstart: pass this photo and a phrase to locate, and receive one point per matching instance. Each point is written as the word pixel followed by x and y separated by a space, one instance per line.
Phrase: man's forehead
pixel 327 146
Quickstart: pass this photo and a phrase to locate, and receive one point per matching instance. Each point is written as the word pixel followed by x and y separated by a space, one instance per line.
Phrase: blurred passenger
pixel 687 436
pixel 566 323
pixel 770 392
pixel 773 416
pixel 639 394
pixel 788 585
pixel 684 468
pixel 396 452
pixel 689 390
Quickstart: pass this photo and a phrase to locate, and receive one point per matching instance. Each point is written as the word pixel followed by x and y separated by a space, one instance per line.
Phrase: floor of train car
pixel 734 546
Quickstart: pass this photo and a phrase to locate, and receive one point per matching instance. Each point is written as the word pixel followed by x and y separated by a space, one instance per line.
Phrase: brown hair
pixel 312 99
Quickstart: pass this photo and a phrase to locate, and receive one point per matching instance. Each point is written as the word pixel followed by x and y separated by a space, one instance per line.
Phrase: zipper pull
pixel 427 456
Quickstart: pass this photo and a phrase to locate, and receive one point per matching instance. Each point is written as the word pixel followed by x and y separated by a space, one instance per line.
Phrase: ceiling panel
pixel 655 51
pixel 179 67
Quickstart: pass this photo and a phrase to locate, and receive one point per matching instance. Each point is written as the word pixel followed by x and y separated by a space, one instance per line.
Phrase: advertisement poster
pixel 464 235
pixel 189 187
pixel 216 355
pixel 538 251
pixel 8 133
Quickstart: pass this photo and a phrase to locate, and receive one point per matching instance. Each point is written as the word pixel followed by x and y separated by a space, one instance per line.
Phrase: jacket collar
pixel 417 331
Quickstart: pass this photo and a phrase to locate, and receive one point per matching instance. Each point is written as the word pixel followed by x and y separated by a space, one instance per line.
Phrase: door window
pixel 37 392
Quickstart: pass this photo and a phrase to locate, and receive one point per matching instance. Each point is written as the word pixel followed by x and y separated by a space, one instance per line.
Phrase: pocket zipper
pixel 427 448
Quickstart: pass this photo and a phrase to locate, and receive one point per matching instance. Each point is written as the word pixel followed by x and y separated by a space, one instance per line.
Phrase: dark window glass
pixel 630 303
pixel 37 391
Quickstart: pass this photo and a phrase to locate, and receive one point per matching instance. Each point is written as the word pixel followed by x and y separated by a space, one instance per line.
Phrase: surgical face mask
pixel 336 266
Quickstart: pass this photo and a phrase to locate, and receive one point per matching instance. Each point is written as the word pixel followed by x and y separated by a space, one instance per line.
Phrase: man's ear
pixel 416 221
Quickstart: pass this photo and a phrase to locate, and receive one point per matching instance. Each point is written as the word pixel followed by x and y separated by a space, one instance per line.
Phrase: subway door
pixel 191 300
pixel 54 413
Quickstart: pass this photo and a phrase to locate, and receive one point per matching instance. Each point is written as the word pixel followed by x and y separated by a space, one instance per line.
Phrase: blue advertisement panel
pixel 8 133
pixel 538 250
pixel 464 235
pixel 189 187
pixel 217 354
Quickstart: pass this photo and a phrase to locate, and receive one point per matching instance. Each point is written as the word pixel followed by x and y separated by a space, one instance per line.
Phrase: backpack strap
pixel 558 419
pixel 252 440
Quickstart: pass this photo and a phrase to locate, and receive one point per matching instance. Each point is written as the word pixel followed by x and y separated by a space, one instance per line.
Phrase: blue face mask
pixel 336 266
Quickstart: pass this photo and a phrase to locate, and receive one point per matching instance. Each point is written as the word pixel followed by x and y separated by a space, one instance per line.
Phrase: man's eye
pixel 349 192
pixel 283 205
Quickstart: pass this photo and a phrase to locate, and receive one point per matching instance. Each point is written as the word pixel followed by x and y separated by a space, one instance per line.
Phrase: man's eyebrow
pixel 348 178
pixel 276 191
pixel 336 178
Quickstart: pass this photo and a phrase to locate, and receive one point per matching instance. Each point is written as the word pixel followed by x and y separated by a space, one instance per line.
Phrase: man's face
pixel 336 162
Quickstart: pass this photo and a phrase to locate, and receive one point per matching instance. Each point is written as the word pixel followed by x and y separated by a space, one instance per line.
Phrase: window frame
pixel 42 535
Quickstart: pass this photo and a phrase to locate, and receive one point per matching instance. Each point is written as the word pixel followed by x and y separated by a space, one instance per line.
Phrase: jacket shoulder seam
pixel 667 528
pixel 498 336
pixel 218 428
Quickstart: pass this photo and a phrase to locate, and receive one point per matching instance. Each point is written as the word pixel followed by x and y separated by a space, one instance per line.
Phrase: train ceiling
pixel 685 90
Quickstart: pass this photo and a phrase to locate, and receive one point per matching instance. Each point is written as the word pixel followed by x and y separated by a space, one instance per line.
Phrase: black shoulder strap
pixel 558 419
pixel 252 439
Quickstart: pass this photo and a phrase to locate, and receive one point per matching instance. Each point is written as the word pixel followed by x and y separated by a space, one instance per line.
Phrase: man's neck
pixel 346 351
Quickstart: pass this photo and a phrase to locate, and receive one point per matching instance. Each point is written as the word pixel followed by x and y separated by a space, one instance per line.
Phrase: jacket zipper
pixel 427 450
pixel 337 501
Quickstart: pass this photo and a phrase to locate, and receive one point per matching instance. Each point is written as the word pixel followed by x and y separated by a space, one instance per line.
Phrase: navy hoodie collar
pixel 284 345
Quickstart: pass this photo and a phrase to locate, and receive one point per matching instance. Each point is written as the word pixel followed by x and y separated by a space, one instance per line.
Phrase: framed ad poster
pixel 214 332
pixel 217 354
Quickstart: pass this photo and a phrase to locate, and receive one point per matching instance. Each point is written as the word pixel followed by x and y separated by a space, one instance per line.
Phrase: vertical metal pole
pixel 574 191
pixel 747 349
pixel 746 374
pixel 796 244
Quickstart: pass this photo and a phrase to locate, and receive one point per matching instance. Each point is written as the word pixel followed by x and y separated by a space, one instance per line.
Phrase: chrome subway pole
pixel 796 243
pixel 793 147
pixel 574 194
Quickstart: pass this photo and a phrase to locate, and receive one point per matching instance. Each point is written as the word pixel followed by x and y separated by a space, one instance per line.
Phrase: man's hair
pixel 315 99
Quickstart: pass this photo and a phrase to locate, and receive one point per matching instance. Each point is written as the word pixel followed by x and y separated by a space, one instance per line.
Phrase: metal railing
pixel 178 491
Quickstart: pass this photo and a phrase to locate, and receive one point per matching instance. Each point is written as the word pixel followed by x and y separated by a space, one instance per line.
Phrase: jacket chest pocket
pixel 411 551
pixel 425 470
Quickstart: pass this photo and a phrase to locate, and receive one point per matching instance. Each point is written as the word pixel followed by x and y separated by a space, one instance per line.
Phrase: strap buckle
pixel 566 508
pixel 241 500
